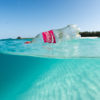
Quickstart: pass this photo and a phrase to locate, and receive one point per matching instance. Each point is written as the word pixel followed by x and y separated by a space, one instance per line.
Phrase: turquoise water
pixel 72 73
pixel 77 48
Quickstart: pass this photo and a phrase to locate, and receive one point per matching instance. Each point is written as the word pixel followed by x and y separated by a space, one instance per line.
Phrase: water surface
pixel 67 74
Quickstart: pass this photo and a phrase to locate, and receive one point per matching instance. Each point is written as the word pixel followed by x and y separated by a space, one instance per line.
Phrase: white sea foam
pixel 88 37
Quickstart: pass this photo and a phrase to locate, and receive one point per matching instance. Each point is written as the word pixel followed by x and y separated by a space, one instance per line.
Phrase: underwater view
pixel 63 71
pixel 49 49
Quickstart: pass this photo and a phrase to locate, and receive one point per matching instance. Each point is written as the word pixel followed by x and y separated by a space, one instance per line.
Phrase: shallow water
pixel 76 48
pixel 39 78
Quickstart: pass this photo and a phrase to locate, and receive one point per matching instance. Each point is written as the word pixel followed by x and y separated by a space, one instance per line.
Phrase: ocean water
pixel 64 71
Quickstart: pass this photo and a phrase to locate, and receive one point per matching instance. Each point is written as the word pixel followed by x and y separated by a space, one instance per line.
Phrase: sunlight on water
pixel 67 82
pixel 76 77
pixel 49 79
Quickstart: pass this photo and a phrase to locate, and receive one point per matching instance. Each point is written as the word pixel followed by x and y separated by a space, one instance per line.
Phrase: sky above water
pixel 27 18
